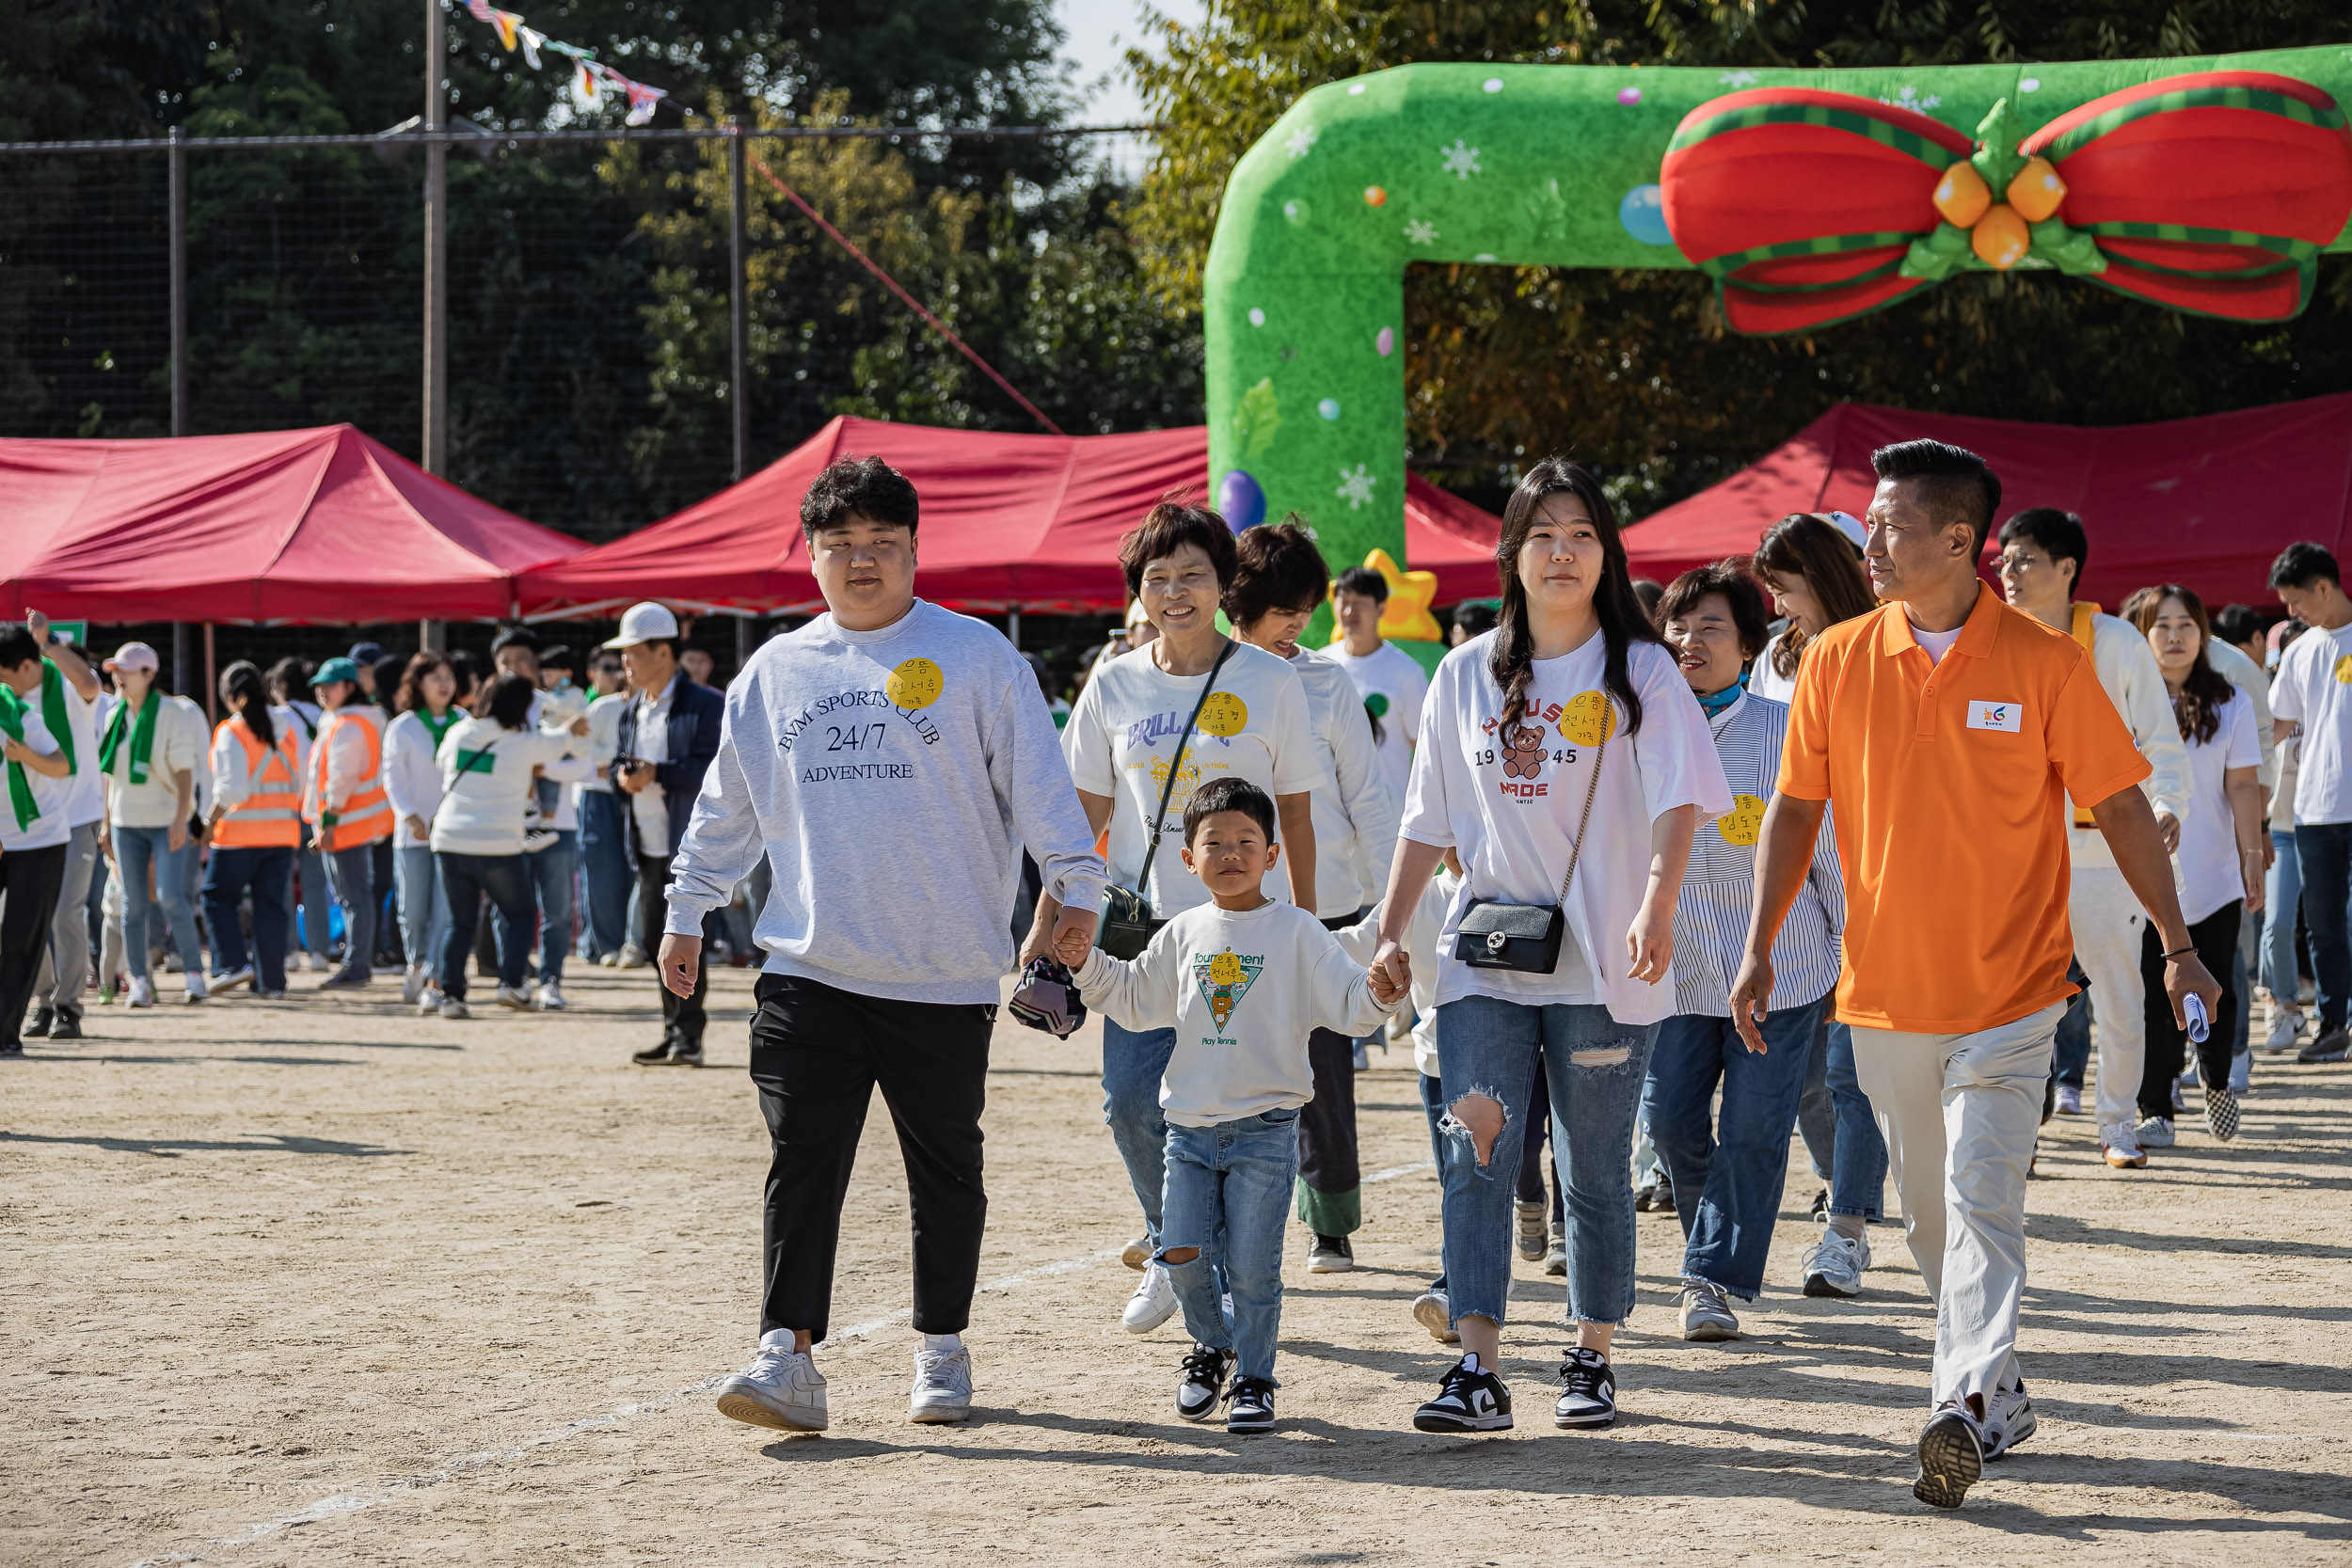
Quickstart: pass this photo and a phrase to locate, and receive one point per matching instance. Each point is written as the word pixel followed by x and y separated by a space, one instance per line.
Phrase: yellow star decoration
pixel 1405 616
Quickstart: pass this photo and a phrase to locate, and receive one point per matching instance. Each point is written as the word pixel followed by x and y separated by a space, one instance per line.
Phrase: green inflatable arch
pixel 2207 184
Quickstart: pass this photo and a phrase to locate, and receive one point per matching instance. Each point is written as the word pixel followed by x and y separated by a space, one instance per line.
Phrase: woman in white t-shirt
pixel 426 711
pixel 2219 863
pixel 1812 567
pixel 1121 742
pixel 1571 699
pixel 1281 581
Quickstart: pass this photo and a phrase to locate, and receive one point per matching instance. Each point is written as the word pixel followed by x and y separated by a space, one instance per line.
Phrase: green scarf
pixel 142 736
pixel 12 710
pixel 439 728
pixel 53 711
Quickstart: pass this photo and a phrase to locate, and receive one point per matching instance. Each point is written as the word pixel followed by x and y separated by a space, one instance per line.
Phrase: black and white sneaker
pixel 1329 1255
pixel 1588 1391
pixel 1252 1409
pixel 1471 1399
pixel 1951 1458
pixel 1203 1385
pixel 2221 1113
pixel 2008 1421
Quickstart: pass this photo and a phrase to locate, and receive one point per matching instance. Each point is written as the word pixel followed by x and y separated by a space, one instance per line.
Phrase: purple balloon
pixel 1242 501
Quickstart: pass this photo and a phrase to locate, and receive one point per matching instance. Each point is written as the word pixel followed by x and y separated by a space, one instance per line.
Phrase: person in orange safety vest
pixel 345 802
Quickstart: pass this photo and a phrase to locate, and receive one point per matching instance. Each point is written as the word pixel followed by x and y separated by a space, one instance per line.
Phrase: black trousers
pixel 682 1016
pixel 818 1055
pixel 1330 1178
pixel 2215 940
pixel 29 880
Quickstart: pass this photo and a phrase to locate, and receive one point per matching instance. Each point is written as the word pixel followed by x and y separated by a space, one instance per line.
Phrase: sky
pixel 1099 34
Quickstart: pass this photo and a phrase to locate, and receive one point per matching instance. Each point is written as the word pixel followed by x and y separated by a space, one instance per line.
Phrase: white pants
pixel 2108 921
pixel 1959 1113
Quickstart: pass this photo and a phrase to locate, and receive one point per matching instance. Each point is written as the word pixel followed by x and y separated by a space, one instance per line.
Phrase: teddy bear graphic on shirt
pixel 1523 751
pixel 1224 978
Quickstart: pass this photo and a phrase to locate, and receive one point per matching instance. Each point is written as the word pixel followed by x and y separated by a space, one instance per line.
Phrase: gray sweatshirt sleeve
pixel 723 840
pixel 1136 993
pixel 1033 788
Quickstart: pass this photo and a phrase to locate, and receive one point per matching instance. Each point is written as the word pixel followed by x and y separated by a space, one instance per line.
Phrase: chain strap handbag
pixel 1125 929
pixel 1526 937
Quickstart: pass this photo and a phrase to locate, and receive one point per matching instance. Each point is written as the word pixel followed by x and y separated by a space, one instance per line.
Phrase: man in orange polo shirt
pixel 1950 731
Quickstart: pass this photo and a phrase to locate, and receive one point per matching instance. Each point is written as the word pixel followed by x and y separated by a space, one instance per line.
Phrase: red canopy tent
pixel 2206 502
pixel 1032 521
pixel 321 525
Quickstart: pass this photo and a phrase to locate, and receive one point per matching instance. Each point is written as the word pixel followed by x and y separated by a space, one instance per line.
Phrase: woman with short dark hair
pixel 412 777
pixel 1151 727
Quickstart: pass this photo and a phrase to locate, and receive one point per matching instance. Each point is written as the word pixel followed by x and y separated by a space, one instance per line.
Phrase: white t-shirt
pixel 1937 644
pixel 52 797
pixel 650 805
pixel 1354 812
pixel 1510 807
pixel 1122 738
pixel 486 787
pixel 1394 685
pixel 2314 688
pixel 1243 991
pixel 86 792
pixel 1765 681
pixel 1361 942
pixel 2207 857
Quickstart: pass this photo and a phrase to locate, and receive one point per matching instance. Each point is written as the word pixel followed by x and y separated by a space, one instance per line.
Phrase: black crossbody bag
pixel 1526 937
pixel 1125 929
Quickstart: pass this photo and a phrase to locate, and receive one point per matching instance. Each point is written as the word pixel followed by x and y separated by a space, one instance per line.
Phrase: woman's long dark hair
pixel 2196 707
pixel 1623 620
pixel 1807 544
pixel 410 698
pixel 241 688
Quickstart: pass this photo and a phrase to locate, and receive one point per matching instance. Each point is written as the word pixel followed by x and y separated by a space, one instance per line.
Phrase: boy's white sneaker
pixel 1153 1303
pixel 943 1385
pixel 551 997
pixel 781 1388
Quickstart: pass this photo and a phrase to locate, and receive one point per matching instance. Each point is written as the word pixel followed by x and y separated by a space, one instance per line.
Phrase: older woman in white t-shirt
pixel 2219 862
pixel 1571 700
pixel 1121 742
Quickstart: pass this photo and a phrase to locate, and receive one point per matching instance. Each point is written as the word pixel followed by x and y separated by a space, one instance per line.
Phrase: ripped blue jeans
pixel 1594 1067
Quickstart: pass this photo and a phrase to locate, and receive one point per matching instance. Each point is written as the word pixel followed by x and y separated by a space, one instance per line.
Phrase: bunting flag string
pixel 595 76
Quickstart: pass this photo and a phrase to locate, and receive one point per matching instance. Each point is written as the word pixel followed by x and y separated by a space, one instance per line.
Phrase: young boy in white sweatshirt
pixel 1243 979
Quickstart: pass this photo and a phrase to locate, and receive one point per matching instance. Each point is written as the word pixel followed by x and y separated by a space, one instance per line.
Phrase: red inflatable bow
pixel 2212 193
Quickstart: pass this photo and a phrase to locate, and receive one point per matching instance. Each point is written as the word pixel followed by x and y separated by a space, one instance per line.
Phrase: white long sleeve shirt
pixel 1355 813
pixel 2129 674
pixel 412 777
pixel 346 765
pixel 179 747
pixel 892 778
pixel 1243 991
pixel 486 787
pixel 604 742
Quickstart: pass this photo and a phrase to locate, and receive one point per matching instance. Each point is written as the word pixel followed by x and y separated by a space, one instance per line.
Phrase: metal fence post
pixel 179 231
pixel 739 286
pixel 436 442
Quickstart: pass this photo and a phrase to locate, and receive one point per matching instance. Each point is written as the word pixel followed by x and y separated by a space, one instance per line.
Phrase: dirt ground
pixel 319 1282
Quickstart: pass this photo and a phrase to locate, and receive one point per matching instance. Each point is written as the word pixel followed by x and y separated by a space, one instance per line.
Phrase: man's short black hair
pixel 1281 569
pixel 513 636
pixel 509 700
pixel 866 485
pixel 2057 534
pixel 1363 580
pixel 2302 564
pixel 1228 794
pixel 559 657
pixel 1474 617
pixel 2236 623
pixel 17 644
pixel 1958 486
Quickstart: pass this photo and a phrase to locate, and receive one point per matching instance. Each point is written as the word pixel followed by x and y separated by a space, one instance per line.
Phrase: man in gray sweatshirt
pixel 891 760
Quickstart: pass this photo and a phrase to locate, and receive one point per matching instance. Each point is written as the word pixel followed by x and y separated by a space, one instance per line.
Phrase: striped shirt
pixel 1719 890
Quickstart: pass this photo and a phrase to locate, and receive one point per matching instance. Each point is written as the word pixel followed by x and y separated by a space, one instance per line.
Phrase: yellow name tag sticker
pixel 916 682
pixel 1224 715
pixel 1984 713
pixel 1740 824
pixel 2343 669
pixel 1588 719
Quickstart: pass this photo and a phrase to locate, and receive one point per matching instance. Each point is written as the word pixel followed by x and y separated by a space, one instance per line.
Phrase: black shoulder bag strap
pixel 1125 929
pixel 1168 790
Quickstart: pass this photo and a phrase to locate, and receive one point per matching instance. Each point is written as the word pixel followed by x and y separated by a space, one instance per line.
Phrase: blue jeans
pixel 2070 1056
pixel 1857 1182
pixel 550 872
pixel 464 879
pixel 139 851
pixel 311 870
pixel 1133 1065
pixel 1817 1108
pixel 350 877
pixel 2323 852
pixel 604 861
pixel 424 905
pixel 1594 1067
pixel 1228 1193
pixel 1734 1170
pixel 2282 895
pixel 269 872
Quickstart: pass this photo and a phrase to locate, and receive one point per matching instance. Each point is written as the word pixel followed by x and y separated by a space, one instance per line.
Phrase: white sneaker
pixel 453 1007
pixel 781 1388
pixel 314 962
pixel 2008 1421
pixel 2120 1147
pixel 1433 1312
pixel 1153 1303
pixel 1136 1253
pixel 141 993
pixel 2069 1100
pixel 1706 1317
pixel 196 991
pixel 2286 1031
pixel 943 1386
pixel 632 957
pixel 412 985
pixel 514 997
pixel 2155 1132
pixel 611 960
pixel 235 977
pixel 551 997
pixel 1834 1267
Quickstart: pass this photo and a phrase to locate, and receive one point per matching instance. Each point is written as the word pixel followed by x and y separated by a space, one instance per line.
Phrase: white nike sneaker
pixel 781 1388
pixel 1153 1303
pixel 2286 1031
pixel 943 1385
pixel 2008 1421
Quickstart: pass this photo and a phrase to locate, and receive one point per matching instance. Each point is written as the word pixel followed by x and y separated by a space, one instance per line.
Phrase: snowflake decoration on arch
pixel 1910 98
pixel 1738 78
pixel 1417 231
pixel 1354 486
pixel 1301 139
pixel 1460 160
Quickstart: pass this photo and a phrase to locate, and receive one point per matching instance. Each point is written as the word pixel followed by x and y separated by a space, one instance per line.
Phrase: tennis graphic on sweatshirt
pixel 1224 979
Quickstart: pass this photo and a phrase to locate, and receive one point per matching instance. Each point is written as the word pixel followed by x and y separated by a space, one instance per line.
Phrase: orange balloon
pixel 1961 195
pixel 2000 238
pixel 1375 196
pixel 2037 190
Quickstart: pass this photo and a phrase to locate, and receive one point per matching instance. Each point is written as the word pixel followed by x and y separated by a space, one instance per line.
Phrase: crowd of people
pixel 1647 878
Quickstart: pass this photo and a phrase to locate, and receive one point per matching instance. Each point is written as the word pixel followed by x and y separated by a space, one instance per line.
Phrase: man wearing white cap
pixel 668 735
pixel 148 754
pixel 70 687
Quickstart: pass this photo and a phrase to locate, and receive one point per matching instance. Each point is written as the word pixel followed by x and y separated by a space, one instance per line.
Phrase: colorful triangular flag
pixel 641 101
pixel 481 9
pixel 531 45
pixel 505 22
